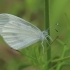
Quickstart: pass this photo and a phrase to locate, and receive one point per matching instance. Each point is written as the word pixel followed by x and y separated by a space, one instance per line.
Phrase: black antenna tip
pixel 56 30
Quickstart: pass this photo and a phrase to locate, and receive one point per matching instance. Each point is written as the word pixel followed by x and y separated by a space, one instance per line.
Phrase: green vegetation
pixel 44 14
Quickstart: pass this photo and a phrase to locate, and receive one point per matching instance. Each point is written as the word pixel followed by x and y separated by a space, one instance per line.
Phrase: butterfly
pixel 19 33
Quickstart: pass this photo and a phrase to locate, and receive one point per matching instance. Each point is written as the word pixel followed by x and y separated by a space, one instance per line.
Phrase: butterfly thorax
pixel 44 34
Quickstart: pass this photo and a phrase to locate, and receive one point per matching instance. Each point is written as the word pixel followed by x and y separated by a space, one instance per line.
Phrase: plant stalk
pixel 47 24
pixel 61 59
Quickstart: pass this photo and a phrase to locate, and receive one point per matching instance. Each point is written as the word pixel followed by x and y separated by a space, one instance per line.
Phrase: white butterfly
pixel 3 20
pixel 19 33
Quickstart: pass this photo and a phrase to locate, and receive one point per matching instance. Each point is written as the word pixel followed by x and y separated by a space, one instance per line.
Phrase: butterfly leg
pixel 50 38
pixel 55 39
pixel 42 46
pixel 47 41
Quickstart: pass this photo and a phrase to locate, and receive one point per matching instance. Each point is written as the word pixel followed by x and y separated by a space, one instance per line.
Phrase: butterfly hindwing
pixel 3 20
pixel 19 33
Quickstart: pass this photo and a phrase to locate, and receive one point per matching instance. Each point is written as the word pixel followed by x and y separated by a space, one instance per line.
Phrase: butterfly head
pixel 45 36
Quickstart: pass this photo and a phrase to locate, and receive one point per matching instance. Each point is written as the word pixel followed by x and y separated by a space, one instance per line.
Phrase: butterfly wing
pixel 19 33
pixel 3 20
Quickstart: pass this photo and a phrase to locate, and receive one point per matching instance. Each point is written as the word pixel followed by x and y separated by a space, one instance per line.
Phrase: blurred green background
pixel 33 11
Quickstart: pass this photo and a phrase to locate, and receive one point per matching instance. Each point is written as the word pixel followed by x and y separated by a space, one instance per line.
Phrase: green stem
pixel 47 23
pixel 61 59
pixel 46 13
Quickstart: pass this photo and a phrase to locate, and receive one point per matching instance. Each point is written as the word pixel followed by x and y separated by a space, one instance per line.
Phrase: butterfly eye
pixel 45 32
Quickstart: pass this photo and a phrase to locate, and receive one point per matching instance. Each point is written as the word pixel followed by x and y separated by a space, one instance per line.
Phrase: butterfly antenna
pixel 56 30
pixel 52 26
